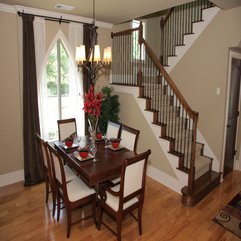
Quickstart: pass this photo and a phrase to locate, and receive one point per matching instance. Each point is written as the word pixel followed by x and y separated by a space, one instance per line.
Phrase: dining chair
pixel 127 196
pixel 47 170
pixel 66 127
pixel 74 193
pixel 113 130
pixel 129 137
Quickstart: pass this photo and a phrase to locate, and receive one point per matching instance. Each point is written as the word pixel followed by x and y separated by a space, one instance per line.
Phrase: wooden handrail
pixel 191 112
pixel 187 111
pixel 164 20
pixel 124 32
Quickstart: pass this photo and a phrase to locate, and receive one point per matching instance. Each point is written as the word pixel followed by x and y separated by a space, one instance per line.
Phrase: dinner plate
pixel 67 148
pixel 120 147
pixel 89 157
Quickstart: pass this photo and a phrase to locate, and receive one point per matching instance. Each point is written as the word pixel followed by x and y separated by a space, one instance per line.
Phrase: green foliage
pixel 52 70
pixel 52 88
pixel 110 108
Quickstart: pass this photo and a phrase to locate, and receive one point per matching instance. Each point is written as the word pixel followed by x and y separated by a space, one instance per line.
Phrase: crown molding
pixel 7 8
pixel 18 8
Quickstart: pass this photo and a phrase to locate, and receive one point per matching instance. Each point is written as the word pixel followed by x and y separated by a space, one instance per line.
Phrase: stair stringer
pixel 189 39
pixel 181 179
pixel 216 164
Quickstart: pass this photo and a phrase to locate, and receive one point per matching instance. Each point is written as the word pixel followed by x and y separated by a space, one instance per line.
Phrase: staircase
pixel 136 65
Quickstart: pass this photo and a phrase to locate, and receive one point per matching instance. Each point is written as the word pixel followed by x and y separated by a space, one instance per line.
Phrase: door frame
pixel 233 53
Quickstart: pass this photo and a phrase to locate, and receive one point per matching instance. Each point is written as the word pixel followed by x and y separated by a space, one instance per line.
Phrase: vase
pixel 92 132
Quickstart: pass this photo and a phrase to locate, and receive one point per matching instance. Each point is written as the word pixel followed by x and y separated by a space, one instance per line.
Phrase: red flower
pixel 92 104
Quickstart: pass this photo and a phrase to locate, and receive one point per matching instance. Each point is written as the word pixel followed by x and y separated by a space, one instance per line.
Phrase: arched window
pixel 62 96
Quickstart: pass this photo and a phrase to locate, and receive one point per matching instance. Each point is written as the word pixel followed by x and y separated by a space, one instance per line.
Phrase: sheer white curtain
pixel 73 103
pixel 39 39
pixel 75 39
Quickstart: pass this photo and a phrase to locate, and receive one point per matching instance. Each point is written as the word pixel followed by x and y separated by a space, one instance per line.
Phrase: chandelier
pixel 93 62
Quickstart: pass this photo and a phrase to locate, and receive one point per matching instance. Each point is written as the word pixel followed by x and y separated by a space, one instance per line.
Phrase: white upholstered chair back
pixel 66 128
pixel 57 168
pixel 113 130
pixel 128 140
pixel 133 177
pixel 129 137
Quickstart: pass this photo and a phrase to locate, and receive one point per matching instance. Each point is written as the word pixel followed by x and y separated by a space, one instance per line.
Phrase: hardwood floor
pixel 25 216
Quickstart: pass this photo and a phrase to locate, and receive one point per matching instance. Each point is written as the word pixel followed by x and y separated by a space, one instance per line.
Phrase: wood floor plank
pixel 25 216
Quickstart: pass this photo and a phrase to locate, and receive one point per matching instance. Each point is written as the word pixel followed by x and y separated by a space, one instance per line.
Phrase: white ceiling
pixel 112 11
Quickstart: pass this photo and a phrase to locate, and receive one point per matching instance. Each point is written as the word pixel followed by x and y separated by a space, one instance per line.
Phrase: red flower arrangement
pixel 92 106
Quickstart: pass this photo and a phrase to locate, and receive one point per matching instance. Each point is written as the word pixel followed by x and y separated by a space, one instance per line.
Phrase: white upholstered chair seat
pixel 77 189
pixel 113 201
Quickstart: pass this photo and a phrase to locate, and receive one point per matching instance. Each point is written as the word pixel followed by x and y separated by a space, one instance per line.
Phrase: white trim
pixel 189 39
pixel 233 53
pixel 216 165
pixel 59 15
pixel 7 8
pixel 19 8
pixel 12 177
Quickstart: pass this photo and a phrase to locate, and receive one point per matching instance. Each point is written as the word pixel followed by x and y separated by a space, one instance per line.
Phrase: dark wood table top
pixel 107 166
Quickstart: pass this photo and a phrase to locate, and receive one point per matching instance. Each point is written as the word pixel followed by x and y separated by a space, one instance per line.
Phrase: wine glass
pixel 93 150
pixel 106 141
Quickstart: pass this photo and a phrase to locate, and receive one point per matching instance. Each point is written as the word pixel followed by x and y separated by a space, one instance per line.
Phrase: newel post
pixel 191 175
pixel 140 42
pixel 162 40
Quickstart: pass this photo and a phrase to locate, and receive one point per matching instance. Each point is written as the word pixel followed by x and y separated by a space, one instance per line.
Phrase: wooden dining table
pixel 107 165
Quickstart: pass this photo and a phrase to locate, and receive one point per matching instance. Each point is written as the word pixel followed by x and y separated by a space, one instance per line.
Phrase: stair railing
pixel 178 22
pixel 135 64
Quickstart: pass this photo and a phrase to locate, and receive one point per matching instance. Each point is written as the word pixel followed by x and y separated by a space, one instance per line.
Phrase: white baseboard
pixel 164 179
pixel 12 177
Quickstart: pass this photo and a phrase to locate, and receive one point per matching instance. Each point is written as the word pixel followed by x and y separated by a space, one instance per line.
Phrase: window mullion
pixel 59 79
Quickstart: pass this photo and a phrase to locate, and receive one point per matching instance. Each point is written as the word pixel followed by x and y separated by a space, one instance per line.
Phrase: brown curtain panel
pixel 86 78
pixel 32 168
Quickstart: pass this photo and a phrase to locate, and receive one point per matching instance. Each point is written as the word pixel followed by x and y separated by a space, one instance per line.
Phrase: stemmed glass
pixel 106 141
pixel 93 150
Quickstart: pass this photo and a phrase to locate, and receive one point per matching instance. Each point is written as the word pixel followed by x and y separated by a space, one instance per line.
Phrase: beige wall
pixel 131 115
pixel 11 147
pixel 204 69
pixel 11 141
pixel 153 34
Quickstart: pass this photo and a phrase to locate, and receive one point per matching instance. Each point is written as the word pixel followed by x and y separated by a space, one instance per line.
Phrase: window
pixel 136 48
pixel 61 98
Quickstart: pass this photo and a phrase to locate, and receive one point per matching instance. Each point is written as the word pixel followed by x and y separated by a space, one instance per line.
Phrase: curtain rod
pixel 60 20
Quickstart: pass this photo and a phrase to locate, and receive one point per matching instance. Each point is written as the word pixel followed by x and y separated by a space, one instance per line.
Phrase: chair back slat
pixel 129 137
pixel 57 168
pixel 113 130
pixel 66 128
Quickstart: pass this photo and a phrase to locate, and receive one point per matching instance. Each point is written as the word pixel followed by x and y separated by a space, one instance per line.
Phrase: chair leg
pixel 100 215
pixel 68 210
pixel 94 210
pixel 119 221
pixel 54 204
pixel 58 206
pixel 140 219
pixel 47 191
